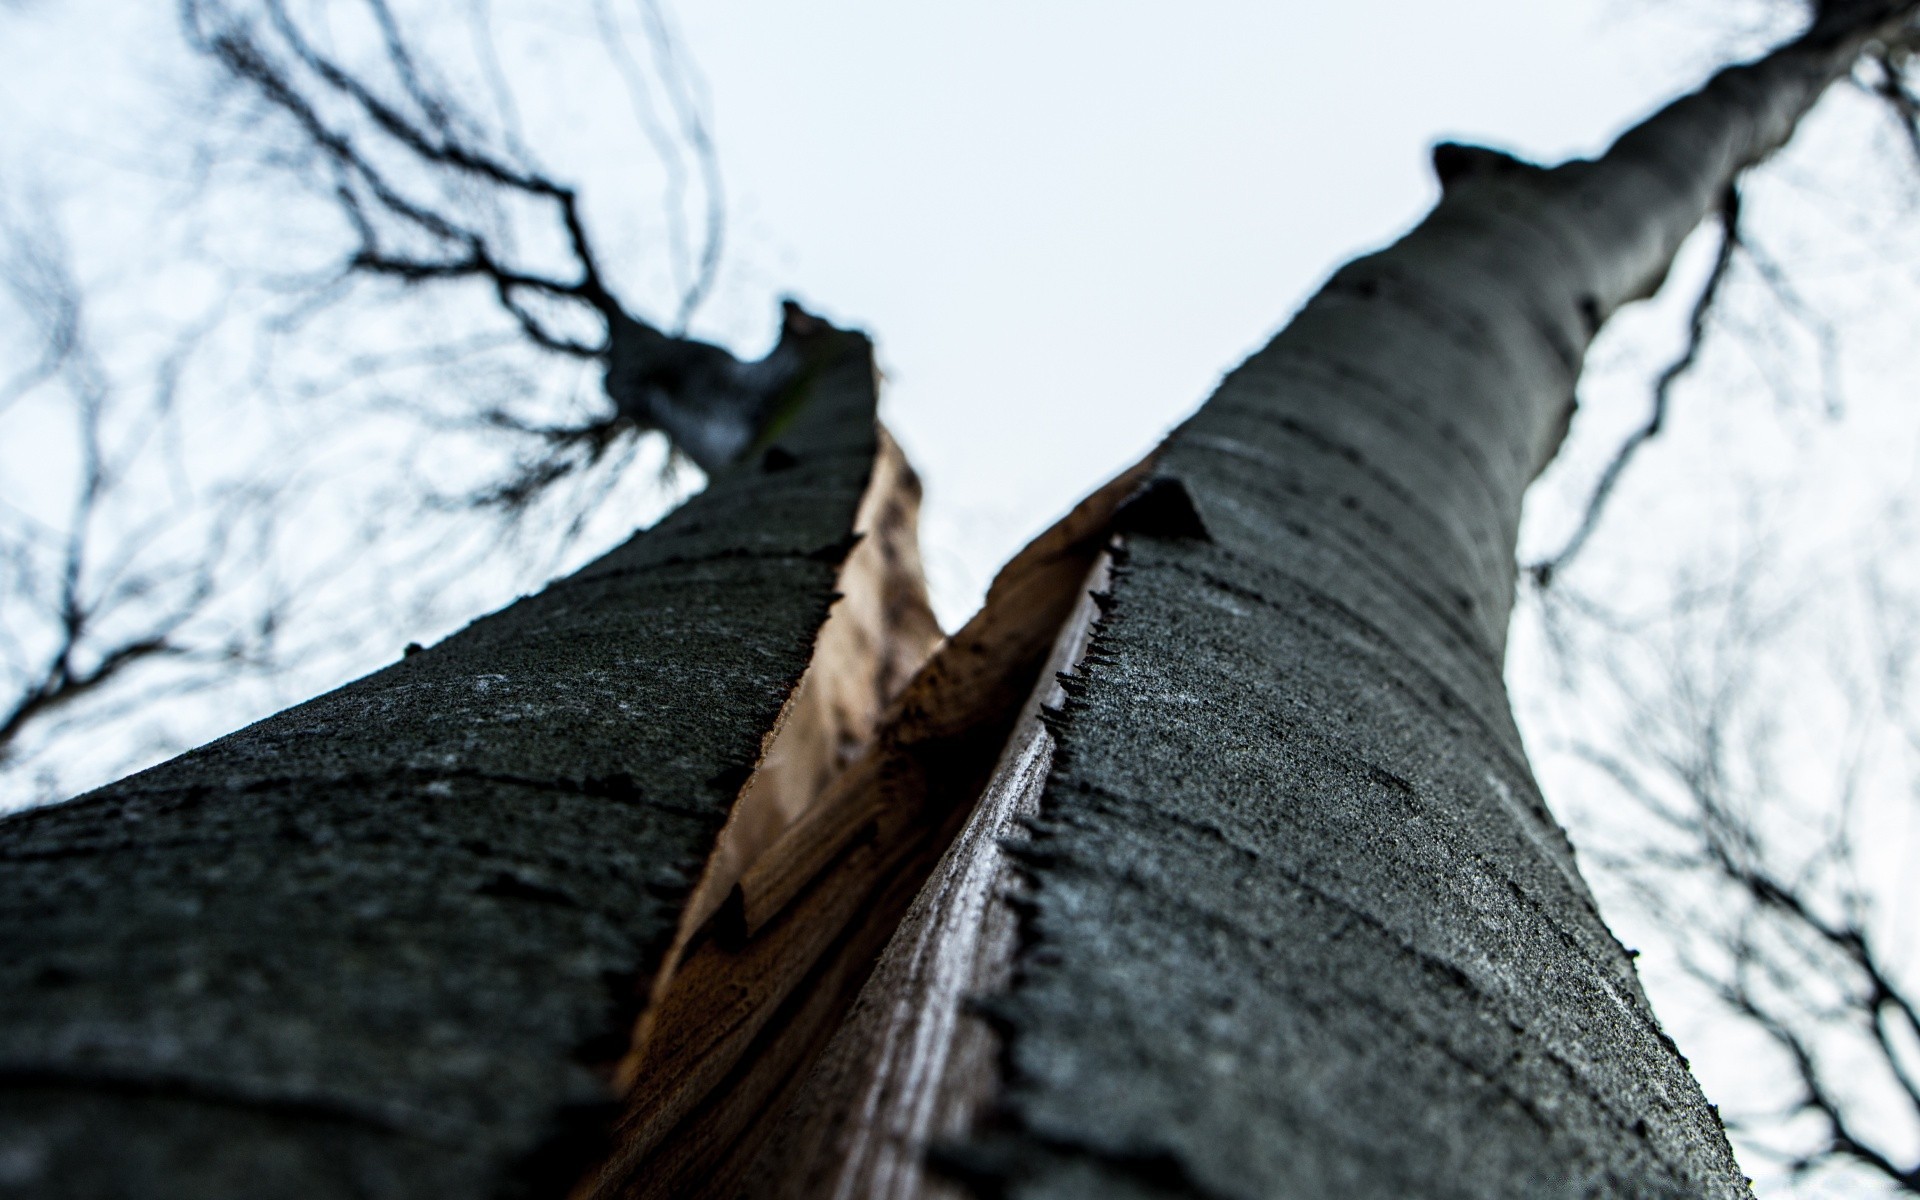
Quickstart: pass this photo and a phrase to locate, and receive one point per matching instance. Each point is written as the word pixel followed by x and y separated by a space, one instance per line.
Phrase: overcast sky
pixel 1064 221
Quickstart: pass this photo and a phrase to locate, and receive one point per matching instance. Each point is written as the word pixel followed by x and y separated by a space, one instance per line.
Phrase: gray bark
pixel 1298 922
pixel 391 941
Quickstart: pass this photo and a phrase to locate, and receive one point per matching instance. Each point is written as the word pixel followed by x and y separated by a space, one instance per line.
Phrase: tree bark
pixel 391 942
pixel 1296 920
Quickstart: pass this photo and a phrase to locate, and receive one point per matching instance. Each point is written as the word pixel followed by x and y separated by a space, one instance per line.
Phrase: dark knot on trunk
pixel 713 406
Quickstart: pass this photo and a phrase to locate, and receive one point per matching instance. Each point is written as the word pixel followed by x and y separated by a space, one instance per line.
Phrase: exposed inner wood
pixel 910 1067
pixel 770 965
pixel 881 630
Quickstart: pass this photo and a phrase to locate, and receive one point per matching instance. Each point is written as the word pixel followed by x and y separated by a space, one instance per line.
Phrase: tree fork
pixel 1295 921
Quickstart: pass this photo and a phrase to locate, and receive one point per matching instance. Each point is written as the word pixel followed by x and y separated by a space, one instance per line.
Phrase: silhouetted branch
pixel 125 578
pixel 1803 313
pixel 1774 921
pixel 677 81
pixel 1890 84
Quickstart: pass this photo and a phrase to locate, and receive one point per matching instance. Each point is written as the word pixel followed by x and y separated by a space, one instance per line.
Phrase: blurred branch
pixel 1779 924
pixel 123 579
pixel 427 199
pixel 1889 83
pixel 697 277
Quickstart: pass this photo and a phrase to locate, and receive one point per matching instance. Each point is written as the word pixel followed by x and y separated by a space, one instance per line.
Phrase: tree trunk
pixel 1296 922
pixel 390 942
pixel 1293 920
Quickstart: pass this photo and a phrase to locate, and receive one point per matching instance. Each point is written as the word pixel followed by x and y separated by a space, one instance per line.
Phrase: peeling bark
pixel 881 631
pixel 764 985
pixel 911 1065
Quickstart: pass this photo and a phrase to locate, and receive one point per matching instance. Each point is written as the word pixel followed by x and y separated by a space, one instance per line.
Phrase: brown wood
pixel 910 1066
pixel 880 632
pixel 763 982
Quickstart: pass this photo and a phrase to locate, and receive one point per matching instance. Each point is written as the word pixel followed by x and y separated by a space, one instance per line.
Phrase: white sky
pixel 1063 221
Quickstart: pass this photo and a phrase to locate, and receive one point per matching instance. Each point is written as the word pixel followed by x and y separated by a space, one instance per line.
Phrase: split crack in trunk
pixel 864 783
pixel 385 938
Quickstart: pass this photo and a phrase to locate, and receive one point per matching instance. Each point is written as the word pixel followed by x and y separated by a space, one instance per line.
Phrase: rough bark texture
pixel 1300 924
pixel 387 942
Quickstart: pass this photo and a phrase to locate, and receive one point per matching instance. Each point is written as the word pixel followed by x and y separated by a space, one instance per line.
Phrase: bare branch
pixel 1770 917
pixel 414 179
pixel 125 579
pixel 1889 83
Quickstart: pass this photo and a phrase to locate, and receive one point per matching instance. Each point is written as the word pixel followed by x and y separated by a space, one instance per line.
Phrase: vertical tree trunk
pixel 1299 924
pixel 390 942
